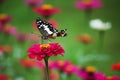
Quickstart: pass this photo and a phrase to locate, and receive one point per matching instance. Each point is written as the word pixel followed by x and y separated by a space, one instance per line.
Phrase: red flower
pixel 54 75
pixel 4 18
pixel 84 39
pixel 112 78
pixel 46 10
pixel 10 30
pixel 28 63
pixel 60 65
pixel 4 77
pixel 5 49
pixel 116 66
pixel 70 69
pixel 41 51
pixel 65 66
pixel 33 3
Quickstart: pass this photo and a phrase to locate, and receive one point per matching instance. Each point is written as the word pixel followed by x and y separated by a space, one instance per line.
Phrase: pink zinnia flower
pixel 4 19
pixel 4 77
pixel 88 4
pixel 54 75
pixel 60 65
pixel 116 66
pixel 65 67
pixel 70 69
pixel 46 10
pixel 89 73
pixel 1 49
pixel 33 3
pixel 10 30
pixel 5 49
pixel 28 63
pixel 41 51
pixel 112 78
pixel 22 37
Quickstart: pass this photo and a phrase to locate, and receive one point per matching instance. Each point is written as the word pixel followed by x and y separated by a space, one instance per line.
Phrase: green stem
pixel 47 69
pixel 86 21
pixel 101 38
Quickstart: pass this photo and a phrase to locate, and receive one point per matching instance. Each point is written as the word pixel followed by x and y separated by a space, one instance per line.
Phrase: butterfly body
pixel 48 31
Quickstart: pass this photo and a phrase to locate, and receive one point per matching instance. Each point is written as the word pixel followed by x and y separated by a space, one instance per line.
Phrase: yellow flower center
pixel 44 45
pixel 86 1
pixel 90 69
pixel 109 77
pixel 47 6
pixel 3 16
pixel 61 63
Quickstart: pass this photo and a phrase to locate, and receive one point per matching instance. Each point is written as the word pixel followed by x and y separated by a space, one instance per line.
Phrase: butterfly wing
pixel 45 28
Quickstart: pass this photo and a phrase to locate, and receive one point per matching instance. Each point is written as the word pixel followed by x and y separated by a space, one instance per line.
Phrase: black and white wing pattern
pixel 45 28
pixel 48 31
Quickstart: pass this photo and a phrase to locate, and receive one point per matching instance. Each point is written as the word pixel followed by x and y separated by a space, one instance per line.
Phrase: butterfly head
pixel 63 33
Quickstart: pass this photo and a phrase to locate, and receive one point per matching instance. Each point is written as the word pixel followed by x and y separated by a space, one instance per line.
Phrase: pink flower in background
pixel 33 3
pixel 89 73
pixel 54 75
pixel 46 10
pixel 4 77
pixel 5 49
pixel 10 30
pixel 100 76
pixel 4 18
pixel 88 4
pixel 112 78
pixel 1 27
pixel 86 39
pixel 60 65
pixel 116 66
pixel 21 37
pixel 1 49
pixel 70 69
pixel 28 63
pixel 41 51
pixel 33 37
pixel 65 67
pixel 34 25
pixel 41 64
pixel 54 23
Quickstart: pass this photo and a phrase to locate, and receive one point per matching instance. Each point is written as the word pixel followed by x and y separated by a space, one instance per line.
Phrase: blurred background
pixel 86 43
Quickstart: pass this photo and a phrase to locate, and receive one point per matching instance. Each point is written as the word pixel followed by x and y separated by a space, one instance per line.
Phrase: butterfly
pixel 48 31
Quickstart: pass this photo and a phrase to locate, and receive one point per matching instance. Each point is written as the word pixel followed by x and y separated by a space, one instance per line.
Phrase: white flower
pixel 99 25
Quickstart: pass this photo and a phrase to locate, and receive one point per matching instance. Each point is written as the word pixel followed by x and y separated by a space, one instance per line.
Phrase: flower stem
pixel 47 69
pixel 101 38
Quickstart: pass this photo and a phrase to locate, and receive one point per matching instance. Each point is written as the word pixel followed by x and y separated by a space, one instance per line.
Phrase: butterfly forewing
pixel 45 28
